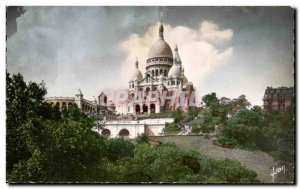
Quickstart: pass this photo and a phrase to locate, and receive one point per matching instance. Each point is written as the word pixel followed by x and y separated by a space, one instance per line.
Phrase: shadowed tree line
pixel 46 145
pixel 245 127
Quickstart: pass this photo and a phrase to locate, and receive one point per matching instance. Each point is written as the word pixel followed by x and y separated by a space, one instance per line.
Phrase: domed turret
pixel 174 71
pixel 177 57
pixel 184 80
pixel 137 74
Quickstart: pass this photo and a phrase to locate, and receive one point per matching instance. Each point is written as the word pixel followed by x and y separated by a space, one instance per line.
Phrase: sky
pixel 227 50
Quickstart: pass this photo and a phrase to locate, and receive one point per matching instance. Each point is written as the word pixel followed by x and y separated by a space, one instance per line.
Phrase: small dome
pixel 160 49
pixel 137 75
pixel 174 71
pixel 184 80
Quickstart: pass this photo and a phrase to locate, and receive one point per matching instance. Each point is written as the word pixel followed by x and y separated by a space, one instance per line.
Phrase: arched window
pixel 137 109
pixel 145 108
pixel 160 72
pixel 153 73
pixel 57 104
pixel 165 73
pixel 156 72
pixel 124 132
pixel 105 132
pixel 63 105
pixel 152 108
pixel 148 78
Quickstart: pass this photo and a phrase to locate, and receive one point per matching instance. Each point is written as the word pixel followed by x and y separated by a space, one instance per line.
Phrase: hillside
pixel 258 161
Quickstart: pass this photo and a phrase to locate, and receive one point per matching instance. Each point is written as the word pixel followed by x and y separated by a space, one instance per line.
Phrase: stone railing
pixel 59 98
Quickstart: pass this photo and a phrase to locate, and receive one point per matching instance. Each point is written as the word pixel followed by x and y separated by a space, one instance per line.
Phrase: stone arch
pixel 124 133
pixel 147 89
pixel 137 109
pixel 145 108
pixel 64 105
pixel 105 132
pixel 152 108
pixel 57 104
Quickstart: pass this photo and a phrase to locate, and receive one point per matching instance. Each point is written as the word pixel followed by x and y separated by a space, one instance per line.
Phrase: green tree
pixel 242 130
pixel 118 148
pixel 22 103
pixel 178 115
pixel 64 151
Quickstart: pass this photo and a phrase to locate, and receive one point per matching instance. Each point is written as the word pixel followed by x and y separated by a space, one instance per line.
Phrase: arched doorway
pixel 145 108
pixel 57 104
pixel 152 108
pixel 105 132
pixel 63 105
pixel 137 109
pixel 124 133
pixel 69 105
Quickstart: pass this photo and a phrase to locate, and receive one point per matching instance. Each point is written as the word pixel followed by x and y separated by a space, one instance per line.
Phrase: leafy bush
pixel 170 127
pixel 143 138
pixel 118 148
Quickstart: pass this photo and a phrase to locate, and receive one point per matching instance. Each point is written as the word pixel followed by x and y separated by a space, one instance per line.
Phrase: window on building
pixel 156 72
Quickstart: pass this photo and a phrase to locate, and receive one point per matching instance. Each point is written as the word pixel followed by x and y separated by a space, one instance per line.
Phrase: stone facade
pixel 84 105
pixel 163 87
pixel 278 99
pixel 164 78
pixel 132 129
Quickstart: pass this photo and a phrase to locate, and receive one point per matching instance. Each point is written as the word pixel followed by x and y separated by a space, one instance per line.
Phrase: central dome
pixel 160 49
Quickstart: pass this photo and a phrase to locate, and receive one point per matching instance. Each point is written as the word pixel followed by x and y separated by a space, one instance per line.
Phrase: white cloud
pixel 197 48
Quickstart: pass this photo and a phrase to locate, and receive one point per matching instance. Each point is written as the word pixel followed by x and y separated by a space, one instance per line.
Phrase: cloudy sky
pixel 227 50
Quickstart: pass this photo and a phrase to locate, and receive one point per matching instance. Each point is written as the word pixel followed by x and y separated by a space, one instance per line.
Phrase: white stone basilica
pixel 163 88
pixel 164 75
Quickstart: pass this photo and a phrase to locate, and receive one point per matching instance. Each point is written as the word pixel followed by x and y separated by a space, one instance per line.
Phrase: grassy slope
pixel 261 162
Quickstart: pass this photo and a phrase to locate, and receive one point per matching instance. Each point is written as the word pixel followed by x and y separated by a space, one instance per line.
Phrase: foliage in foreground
pixel 251 128
pixel 45 145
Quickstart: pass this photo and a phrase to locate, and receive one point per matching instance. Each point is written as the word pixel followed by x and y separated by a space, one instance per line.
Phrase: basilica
pixel 163 84
pixel 163 87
